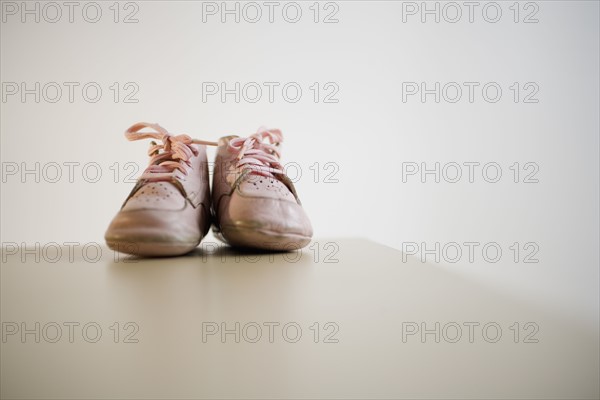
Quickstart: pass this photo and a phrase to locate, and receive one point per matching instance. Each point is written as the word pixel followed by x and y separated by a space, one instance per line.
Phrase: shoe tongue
pixel 224 141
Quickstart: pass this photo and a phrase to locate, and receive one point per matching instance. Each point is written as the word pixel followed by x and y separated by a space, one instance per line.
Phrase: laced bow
pixel 171 156
pixel 259 153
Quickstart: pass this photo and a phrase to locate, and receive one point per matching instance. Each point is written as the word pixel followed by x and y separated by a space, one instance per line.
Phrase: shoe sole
pixel 263 239
pixel 151 249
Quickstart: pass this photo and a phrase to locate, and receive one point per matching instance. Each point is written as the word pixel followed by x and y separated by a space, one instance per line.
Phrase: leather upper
pixel 252 201
pixel 167 211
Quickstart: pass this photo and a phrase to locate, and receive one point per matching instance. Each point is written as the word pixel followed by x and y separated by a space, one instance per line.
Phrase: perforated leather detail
pixel 260 186
pixel 157 195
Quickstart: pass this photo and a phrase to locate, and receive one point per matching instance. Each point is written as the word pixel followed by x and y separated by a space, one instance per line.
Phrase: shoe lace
pixel 259 153
pixel 171 158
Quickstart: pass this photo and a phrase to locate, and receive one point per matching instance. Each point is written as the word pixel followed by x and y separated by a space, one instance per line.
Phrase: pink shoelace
pixel 172 155
pixel 259 153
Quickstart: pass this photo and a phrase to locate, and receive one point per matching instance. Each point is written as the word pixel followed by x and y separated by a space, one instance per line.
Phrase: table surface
pixel 344 318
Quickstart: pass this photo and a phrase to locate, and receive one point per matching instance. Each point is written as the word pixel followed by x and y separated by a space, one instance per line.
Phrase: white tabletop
pixel 360 323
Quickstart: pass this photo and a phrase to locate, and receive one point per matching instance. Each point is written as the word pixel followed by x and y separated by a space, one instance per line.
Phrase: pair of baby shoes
pixel 253 204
